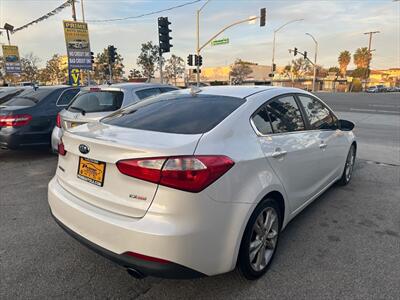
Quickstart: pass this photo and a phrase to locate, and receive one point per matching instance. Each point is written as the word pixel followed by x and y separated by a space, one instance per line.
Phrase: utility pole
pixel 367 72
pixel 73 10
pixel 83 11
pixel 315 60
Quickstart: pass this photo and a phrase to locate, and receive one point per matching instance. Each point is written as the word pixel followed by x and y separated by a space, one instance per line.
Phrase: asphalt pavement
pixel 345 245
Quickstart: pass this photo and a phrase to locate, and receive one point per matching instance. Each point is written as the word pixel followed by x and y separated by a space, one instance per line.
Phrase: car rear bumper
pixel 141 267
pixel 13 138
pixel 196 244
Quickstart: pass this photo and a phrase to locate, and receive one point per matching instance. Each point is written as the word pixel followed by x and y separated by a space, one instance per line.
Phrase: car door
pixel 332 142
pixel 291 150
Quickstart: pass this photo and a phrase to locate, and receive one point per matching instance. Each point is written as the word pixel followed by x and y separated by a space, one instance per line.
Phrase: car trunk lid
pixel 106 146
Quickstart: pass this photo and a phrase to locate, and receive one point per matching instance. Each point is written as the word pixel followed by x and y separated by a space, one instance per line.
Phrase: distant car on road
pixel 372 89
pixel 94 103
pixel 27 119
pixel 198 182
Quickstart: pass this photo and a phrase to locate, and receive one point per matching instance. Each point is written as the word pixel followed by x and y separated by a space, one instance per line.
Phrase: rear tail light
pixel 61 149
pixel 187 173
pixel 15 120
pixel 58 120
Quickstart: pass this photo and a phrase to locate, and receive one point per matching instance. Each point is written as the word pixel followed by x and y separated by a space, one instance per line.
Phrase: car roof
pixel 237 91
pixel 128 86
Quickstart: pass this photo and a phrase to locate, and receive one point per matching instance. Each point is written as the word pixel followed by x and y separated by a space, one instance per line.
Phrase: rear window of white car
pixel 98 101
pixel 176 114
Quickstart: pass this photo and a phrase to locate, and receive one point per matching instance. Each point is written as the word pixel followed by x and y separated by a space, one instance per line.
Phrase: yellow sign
pixel 75 73
pixel 78 45
pixel 12 63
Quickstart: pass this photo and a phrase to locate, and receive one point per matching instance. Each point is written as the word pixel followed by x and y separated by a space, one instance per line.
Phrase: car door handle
pixel 323 145
pixel 279 154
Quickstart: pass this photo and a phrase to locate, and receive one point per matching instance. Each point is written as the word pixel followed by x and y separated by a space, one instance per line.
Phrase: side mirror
pixel 346 125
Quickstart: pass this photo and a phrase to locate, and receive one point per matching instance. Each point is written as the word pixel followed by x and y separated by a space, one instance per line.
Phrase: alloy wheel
pixel 263 239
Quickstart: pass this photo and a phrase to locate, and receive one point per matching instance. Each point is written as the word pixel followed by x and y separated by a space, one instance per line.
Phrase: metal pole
pixel 273 58
pixel 161 66
pixel 369 58
pixel 73 10
pixel 315 66
pixel 83 11
pixel 110 70
pixel 315 60
pixel 8 37
pixel 198 47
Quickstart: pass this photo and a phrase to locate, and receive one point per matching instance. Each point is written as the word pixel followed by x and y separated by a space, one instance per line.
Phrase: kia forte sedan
pixel 199 181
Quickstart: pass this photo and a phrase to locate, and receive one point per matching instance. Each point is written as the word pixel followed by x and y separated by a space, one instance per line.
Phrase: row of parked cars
pixel 36 116
pixel 186 183
pixel 382 89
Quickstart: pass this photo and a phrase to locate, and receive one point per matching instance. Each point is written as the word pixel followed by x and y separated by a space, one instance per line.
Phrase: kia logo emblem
pixel 84 149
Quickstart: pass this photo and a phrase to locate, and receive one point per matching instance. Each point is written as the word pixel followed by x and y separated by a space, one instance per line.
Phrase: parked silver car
pixel 94 103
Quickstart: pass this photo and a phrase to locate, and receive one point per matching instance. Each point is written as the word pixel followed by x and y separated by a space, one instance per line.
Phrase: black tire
pixel 245 265
pixel 346 177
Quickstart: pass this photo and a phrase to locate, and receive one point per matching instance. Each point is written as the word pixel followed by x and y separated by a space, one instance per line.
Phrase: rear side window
pixel 29 97
pixel 285 115
pixel 261 121
pixel 142 94
pixel 99 101
pixel 317 113
pixel 67 96
pixel 177 114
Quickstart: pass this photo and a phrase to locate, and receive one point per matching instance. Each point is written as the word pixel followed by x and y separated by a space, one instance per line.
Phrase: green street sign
pixel 220 42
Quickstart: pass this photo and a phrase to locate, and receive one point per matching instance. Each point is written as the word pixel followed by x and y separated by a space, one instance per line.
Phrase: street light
pixel 273 43
pixel 315 60
pixel 198 39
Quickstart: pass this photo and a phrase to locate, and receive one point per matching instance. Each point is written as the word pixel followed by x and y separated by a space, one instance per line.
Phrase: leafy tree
pixel 240 70
pixel 30 70
pixel 300 67
pixel 335 70
pixel 134 73
pixel 344 60
pixel 359 73
pixel 53 72
pixel 101 67
pixel 148 59
pixel 174 68
pixel 362 57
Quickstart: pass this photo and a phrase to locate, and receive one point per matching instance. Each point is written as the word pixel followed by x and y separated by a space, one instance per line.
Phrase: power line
pixel 145 14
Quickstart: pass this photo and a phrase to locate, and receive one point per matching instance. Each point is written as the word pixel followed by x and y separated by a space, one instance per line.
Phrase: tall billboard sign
pixel 78 45
pixel 12 62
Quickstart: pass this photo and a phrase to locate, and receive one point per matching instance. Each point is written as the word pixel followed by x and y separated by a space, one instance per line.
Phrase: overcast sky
pixel 337 25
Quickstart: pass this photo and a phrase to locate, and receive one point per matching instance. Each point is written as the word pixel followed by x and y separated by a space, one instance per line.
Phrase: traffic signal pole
pixel 198 47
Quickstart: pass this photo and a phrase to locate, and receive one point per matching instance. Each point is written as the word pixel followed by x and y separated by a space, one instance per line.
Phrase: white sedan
pixel 196 182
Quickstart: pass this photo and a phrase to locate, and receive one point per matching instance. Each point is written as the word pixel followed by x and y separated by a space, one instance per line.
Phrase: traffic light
pixel 273 67
pixel 112 54
pixel 295 51
pixel 305 54
pixel 200 60
pixel 190 60
pixel 92 57
pixel 263 12
pixel 163 35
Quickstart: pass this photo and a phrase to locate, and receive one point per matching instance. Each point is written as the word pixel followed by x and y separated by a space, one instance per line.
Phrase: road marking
pixel 383 105
pixel 374 110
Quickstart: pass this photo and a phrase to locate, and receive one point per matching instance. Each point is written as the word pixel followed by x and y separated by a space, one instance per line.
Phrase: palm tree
pixel 344 60
pixel 362 57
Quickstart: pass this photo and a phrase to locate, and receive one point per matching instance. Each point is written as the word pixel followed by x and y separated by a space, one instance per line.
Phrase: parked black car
pixel 27 119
